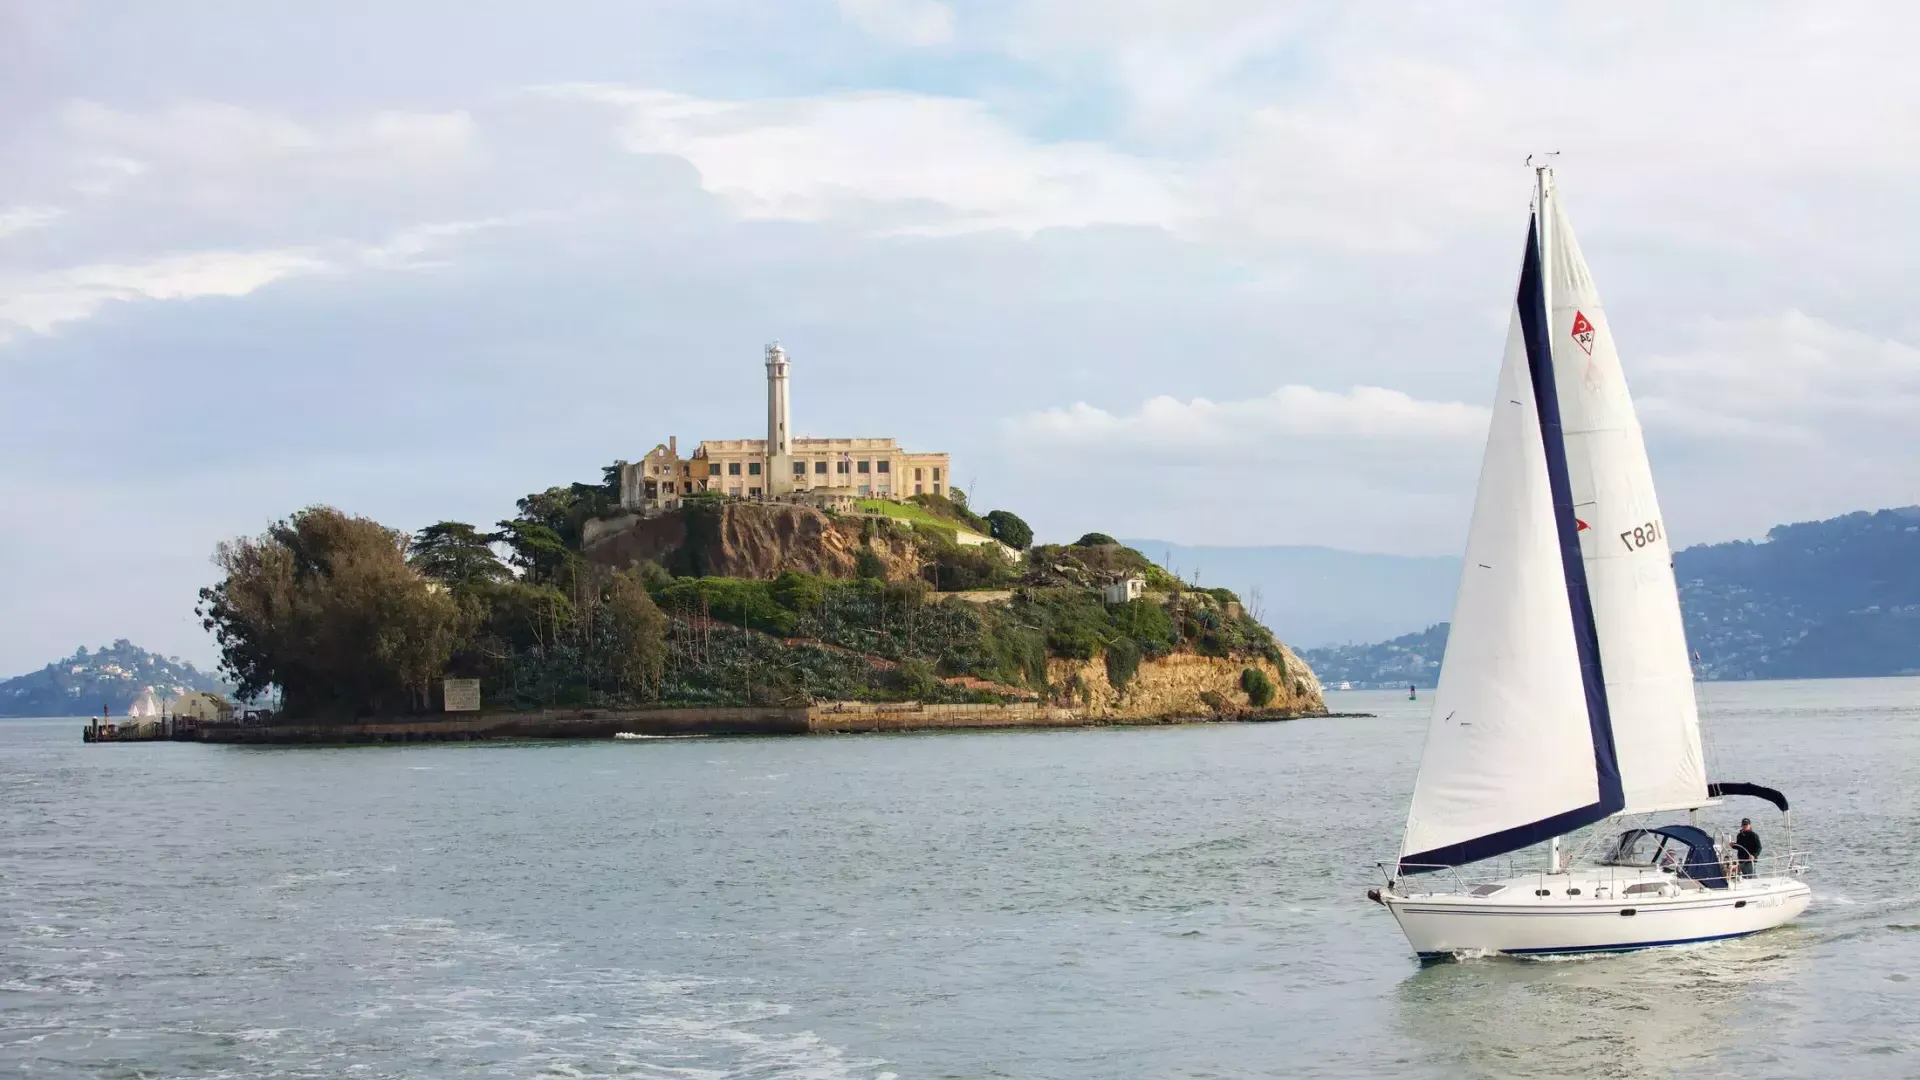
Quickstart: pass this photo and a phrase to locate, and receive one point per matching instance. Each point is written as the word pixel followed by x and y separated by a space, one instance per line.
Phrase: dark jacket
pixel 1749 842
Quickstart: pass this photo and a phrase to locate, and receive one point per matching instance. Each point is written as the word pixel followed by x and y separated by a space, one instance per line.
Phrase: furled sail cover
pixel 1623 541
pixel 1519 749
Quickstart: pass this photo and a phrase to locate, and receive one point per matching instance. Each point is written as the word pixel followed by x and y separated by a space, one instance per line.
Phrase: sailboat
pixel 1566 697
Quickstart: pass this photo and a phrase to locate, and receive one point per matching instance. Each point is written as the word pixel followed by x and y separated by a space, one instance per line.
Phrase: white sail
pixel 1629 567
pixel 1510 755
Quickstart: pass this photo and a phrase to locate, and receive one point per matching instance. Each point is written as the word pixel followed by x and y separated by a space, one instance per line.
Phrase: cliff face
pixel 745 540
pixel 1185 686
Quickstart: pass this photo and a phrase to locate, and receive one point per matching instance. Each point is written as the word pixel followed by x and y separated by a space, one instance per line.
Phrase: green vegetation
pixel 352 619
pixel 1095 540
pixel 1258 687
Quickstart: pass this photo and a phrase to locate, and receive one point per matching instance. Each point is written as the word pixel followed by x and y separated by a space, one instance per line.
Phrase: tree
pixel 636 636
pixel 456 554
pixel 1095 540
pixel 539 553
pixel 1006 527
pixel 325 606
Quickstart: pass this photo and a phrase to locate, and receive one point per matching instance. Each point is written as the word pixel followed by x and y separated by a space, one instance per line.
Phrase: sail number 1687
pixel 1641 535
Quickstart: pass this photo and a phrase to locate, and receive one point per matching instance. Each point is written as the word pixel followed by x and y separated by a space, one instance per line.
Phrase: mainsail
pixel 1565 695
pixel 1520 748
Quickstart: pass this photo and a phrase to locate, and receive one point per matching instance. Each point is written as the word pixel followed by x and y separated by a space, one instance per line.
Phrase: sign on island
pixel 460 695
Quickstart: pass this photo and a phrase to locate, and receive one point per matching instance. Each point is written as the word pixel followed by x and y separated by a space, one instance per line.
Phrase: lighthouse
pixel 779 424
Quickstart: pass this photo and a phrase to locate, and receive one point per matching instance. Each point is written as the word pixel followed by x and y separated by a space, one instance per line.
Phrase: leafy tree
pixel 1123 662
pixel 456 554
pixel 866 564
pixel 1006 527
pixel 1259 688
pixel 636 634
pixel 1095 539
pixel 325 606
pixel 538 551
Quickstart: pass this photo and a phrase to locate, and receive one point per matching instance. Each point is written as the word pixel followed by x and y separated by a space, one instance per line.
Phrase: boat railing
pixel 1436 878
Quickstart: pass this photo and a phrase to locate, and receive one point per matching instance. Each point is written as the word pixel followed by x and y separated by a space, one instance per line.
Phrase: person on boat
pixel 1746 844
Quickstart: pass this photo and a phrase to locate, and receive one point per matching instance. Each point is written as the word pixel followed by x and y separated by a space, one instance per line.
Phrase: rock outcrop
pixel 1185 686
pixel 746 540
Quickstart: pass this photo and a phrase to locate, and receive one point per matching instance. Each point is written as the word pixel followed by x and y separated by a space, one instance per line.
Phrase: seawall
pixel 826 718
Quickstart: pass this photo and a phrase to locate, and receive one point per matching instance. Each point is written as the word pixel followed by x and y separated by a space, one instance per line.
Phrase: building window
pixel 917 491
pixel 799 468
pixel 840 467
pixel 753 468
pixel 936 473
pixel 820 468
pixel 919 474
pixel 734 491
pixel 753 493
pixel 733 469
pixel 884 466
pixel 667 487
pixel 865 466
pixel 865 491
pixel 936 487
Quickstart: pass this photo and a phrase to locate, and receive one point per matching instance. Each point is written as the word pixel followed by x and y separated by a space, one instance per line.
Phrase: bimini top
pixel 1702 863
pixel 1755 790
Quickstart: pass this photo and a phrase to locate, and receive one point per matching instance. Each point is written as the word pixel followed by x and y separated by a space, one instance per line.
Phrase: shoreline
pixel 830 718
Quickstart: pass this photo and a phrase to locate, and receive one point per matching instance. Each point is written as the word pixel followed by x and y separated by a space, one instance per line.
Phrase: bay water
pixel 1120 902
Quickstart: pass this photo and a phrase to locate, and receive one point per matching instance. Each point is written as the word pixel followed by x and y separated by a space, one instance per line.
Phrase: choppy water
pixel 1178 902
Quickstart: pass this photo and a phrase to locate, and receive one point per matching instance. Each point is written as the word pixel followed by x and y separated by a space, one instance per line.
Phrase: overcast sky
pixel 1219 272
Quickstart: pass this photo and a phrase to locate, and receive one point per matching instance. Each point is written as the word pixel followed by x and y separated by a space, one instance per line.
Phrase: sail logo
pixel 1583 332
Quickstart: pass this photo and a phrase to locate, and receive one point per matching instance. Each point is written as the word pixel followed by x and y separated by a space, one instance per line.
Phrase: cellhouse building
pixel 819 472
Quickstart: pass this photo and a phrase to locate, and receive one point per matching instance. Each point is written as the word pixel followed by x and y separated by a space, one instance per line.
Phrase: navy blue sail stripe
pixel 1535 331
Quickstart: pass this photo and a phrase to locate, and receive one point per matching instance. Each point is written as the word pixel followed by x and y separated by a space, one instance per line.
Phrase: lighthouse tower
pixel 779 424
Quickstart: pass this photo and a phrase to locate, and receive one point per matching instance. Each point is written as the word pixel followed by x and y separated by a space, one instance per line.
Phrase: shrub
pixel 1123 663
pixel 1259 688
pixel 1095 540
pixel 799 592
pixel 916 678
pixel 1075 642
pixel 868 565
pixel 1213 700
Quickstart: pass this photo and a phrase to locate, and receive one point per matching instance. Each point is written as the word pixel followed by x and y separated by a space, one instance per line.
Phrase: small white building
pixel 204 706
pixel 1126 589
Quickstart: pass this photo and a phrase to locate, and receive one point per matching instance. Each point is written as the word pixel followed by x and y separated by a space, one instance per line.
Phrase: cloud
pixel 19 219
pixel 1165 425
pixel 1786 376
pixel 900 163
pixel 40 302
pixel 214 140
pixel 908 22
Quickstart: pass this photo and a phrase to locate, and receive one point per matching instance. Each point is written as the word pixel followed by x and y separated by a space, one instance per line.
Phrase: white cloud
pixel 900 162
pixel 1166 425
pixel 40 302
pixel 221 143
pixel 19 219
pixel 909 22
pixel 1788 376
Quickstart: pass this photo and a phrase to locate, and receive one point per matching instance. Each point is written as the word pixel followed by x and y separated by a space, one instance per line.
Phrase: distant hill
pixel 112 676
pixel 1316 596
pixel 1818 599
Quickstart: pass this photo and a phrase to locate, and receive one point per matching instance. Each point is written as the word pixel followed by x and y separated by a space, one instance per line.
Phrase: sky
pixel 1215 272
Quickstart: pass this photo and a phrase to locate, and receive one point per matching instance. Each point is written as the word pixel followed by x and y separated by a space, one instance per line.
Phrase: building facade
pixel 823 472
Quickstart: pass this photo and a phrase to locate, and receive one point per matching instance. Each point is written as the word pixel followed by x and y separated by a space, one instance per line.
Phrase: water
pixel 1178 902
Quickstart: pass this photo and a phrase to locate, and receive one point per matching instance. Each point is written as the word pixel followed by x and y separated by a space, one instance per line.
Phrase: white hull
pixel 1586 912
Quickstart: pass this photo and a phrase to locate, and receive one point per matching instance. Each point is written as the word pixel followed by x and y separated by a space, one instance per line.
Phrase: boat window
pixel 1636 847
pixel 1645 887
pixel 1488 890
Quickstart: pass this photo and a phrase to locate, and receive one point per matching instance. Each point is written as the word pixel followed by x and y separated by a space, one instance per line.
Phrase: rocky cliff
pixel 1187 686
pixel 745 540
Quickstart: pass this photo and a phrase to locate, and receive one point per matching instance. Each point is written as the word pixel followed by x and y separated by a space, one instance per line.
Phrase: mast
pixel 1543 234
